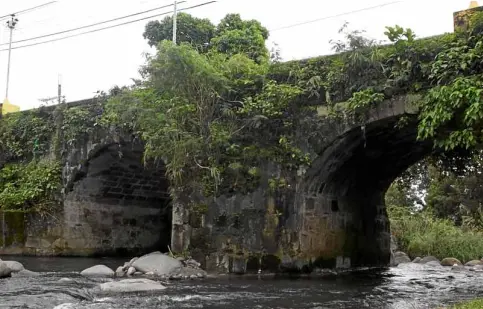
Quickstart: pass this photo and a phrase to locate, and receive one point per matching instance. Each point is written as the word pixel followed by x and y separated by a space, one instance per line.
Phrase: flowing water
pixel 408 286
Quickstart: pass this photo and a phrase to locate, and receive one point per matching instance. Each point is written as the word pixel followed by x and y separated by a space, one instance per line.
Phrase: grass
pixel 422 234
pixel 474 304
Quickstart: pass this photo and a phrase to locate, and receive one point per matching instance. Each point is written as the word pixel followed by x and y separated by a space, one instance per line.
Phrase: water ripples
pixel 407 287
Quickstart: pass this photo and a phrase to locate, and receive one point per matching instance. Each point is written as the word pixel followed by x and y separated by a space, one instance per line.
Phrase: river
pixel 411 286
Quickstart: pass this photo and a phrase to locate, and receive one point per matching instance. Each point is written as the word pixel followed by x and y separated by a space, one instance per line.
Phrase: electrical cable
pixel 91 25
pixel 109 27
pixel 334 16
pixel 26 10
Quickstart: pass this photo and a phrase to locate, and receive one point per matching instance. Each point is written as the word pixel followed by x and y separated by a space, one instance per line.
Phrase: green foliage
pixel 421 234
pixel 364 99
pixel 192 30
pixel 213 117
pixel 80 122
pixel 29 187
pixel 473 304
pixel 236 36
pixel 459 105
pixel 232 36
pixel 24 135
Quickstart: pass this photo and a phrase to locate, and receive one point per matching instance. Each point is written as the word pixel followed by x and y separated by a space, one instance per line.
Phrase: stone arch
pixel 342 210
pixel 114 204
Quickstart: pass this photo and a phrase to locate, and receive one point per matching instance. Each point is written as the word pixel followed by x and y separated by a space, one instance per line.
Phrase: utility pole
pixel 10 24
pixel 59 89
pixel 175 20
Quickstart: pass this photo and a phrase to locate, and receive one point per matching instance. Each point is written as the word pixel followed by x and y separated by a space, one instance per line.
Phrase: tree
pixel 196 31
pixel 235 36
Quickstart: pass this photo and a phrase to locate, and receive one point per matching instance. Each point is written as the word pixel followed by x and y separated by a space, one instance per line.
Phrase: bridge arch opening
pixel 117 205
pixel 345 191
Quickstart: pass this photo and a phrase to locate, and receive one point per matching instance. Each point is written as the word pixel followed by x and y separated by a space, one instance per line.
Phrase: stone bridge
pixel 332 215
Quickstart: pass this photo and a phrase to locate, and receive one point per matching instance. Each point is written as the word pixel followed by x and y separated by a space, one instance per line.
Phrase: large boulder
pixel 131 285
pixel 5 271
pixel 427 259
pixel 400 258
pixel 474 263
pixel 159 264
pixel 450 262
pixel 98 271
pixel 14 266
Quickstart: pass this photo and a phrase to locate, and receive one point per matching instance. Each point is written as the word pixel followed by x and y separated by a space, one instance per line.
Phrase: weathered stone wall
pixel 332 215
pixel 112 205
pixel 117 205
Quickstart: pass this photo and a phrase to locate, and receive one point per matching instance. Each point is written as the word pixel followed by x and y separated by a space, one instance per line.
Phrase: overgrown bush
pixel 29 187
pixel 421 234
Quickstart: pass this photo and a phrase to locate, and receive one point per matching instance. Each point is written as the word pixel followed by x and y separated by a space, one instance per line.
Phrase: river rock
pixel 417 260
pixel 188 272
pixel 14 266
pixel 132 261
pixel 131 271
pixel 450 262
pixel 25 273
pixel 120 272
pixel 400 258
pixel 433 264
pixel 98 271
pixel 192 263
pixel 474 263
pixel 427 259
pixel 131 285
pixel 159 264
pixel 5 271
pixel 458 268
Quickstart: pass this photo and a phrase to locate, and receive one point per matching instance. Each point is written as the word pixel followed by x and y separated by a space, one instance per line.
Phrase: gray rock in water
pixel 66 280
pixel 478 268
pixel 14 266
pixel 400 258
pixel 120 272
pixel 131 285
pixel 132 261
pixel 188 272
pixel 193 263
pixel 417 260
pixel 25 273
pixel 131 271
pixel 427 259
pixel 450 262
pixel 474 263
pixel 5 271
pixel 98 271
pixel 434 263
pixel 159 264
pixel 458 268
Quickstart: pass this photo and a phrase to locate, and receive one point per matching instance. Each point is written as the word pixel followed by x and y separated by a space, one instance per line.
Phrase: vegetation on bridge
pixel 219 105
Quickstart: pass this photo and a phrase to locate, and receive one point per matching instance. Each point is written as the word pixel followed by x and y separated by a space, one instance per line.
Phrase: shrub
pixel 421 234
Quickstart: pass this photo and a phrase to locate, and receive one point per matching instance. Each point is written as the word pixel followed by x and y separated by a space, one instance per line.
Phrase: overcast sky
pixel 98 61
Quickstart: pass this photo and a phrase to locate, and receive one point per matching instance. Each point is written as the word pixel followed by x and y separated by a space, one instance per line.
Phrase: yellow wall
pixel 9 108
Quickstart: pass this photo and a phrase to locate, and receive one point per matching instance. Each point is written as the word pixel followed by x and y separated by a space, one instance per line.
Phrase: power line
pixel 109 27
pixel 92 25
pixel 27 10
pixel 337 15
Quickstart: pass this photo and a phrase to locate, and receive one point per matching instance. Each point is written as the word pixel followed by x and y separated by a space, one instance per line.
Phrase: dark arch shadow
pixel 117 205
pixel 346 187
